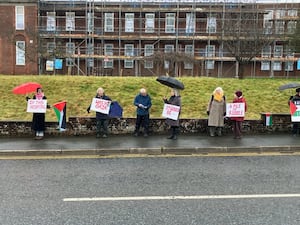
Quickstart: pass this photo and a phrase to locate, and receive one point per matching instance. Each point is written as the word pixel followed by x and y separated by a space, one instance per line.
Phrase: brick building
pixel 150 38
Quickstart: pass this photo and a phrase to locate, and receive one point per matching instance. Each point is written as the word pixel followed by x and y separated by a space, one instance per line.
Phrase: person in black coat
pixel 174 99
pixel 38 119
pixel 102 119
pixel 296 100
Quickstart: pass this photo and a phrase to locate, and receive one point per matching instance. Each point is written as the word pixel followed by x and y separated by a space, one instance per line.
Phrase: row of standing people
pixel 216 111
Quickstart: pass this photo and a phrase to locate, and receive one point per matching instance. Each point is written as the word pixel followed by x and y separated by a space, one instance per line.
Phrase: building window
pixel 20 53
pixel 109 22
pixel 265 65
pixel 292 12
pixel 108 51
pixel 51 21
pixel 279 27
pixel 51 48
pixel 129 22
pixel 170 23
pixel 277 66
pixel 291 27
pixel 70 21
pixel 278 51
pixel 280 13
pixel 190 23
pixel 168 49
pixel 289 66
pixel 20 24
pixel 70 51
pixel 209 64
pixel 149 24
pixel 211 25
pixel 149 50
pixel 268 24
pixel 266 52
pixel 189 50
pixel 129 51
pixel 210 51
pixel 90 22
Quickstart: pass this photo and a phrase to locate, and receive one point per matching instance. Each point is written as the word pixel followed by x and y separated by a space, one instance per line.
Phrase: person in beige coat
pixel 216 110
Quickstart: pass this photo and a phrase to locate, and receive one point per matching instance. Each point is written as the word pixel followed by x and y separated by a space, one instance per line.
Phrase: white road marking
pixel 194 197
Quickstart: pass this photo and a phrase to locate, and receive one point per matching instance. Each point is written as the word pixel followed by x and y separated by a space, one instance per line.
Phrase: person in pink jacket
pixel 237 121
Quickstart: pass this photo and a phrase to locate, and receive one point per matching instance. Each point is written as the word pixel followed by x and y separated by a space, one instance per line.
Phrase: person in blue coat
pixel 143 104
pixel 102 119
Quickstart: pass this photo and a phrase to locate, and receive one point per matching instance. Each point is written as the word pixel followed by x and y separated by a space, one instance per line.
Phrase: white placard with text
pixel 36 106
pixel 171 111
pixel 100 105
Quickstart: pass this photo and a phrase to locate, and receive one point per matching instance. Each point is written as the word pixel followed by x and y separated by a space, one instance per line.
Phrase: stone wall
pixel 87 126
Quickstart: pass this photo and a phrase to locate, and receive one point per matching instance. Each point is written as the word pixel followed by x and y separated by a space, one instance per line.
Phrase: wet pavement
pixel 157 144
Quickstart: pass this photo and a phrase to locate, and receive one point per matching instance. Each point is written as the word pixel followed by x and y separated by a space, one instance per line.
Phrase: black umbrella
pixel 288 86
pixel 170 82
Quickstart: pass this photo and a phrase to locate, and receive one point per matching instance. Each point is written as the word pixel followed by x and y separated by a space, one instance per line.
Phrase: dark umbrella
pixel 170 82
pixel 288 86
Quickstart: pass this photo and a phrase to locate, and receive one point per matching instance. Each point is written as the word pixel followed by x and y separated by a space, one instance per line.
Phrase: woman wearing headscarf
pixel 174 99
pixel 216 110
pixel 38 119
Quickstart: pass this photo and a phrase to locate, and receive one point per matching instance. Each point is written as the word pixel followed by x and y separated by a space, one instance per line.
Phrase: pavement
pixel 151 145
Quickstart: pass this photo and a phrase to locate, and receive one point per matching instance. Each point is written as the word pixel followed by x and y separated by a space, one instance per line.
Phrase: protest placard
pixel 235 109
pixel 100 105
pixel 171 111
pixel 36 106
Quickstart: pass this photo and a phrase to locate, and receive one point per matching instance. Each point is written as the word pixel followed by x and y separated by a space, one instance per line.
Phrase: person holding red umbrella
pixel 38 119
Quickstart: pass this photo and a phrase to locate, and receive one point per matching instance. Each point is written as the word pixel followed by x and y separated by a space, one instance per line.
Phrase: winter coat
pixel 38 119
pixel 99 115
pixel 239 100
pixel 173 100
pixel 217 111
pixel 145 101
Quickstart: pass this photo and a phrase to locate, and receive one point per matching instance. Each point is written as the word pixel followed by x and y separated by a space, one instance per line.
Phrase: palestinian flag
pixel 269 119
pixel 60 111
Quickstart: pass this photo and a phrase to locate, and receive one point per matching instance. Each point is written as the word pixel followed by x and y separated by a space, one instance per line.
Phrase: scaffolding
pixel 109 37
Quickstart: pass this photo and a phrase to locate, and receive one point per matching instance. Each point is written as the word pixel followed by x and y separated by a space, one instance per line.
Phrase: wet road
pixel 159 190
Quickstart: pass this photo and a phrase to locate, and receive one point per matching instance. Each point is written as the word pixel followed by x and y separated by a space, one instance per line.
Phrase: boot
pixel 219 131
pixel 212 131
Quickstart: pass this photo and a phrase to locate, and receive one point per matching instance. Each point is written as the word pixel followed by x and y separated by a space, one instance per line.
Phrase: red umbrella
pixel 26 88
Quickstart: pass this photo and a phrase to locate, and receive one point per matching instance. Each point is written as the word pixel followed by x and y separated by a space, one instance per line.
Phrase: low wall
pixel 87 126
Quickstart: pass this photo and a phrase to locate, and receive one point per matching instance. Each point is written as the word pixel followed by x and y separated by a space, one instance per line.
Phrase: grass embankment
pixel 261 94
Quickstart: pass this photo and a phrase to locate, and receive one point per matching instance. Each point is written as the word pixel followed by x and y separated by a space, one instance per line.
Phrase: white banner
pixel 235 109
pixel 100 105
pixel 36 106
pixel 171 111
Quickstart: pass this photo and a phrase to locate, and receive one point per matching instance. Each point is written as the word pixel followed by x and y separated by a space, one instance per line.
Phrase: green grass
pixel 261 94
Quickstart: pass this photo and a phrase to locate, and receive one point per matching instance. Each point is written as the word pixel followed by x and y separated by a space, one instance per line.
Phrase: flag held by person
pixel 60 109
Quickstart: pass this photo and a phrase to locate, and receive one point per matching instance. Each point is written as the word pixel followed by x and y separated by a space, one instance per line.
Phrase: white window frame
pixel 51 21
pixel 168 49
pixel 292 12
pixel 266 51
pixel 149 23
pixel 51 47
pixel 289 66
pixel 190 23
pixel 189 50
pixel 70 21
pixel 108 22
pixel 20 17
pixel 279 27
pixel 20 53
pixel 108 51
pixel 128 51
pixel 278 51
pixel 129 22
pixel 210 50
pixel 149 50
pixel 170 23
pixel 277 66
pixel 265 65
pixel 280 13
pixel 291 27
pixel 211 25
pixel 209 64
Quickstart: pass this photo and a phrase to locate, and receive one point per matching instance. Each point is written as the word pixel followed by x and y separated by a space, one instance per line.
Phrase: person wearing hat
pixel 296 100
pixel 237 121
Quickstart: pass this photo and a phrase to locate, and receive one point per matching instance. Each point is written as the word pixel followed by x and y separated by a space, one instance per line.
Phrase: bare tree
pixel 173 59
pixel 243 35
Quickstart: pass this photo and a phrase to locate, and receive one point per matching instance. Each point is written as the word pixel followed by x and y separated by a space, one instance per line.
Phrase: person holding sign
pixel 216 110
pixel 174 99
pixel 38 118
pixel 101 104
pixel 143 103
pixel 294 103
pixel 237 120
